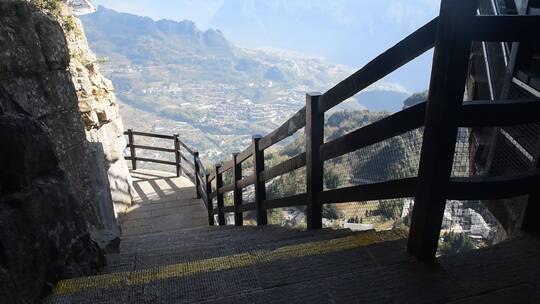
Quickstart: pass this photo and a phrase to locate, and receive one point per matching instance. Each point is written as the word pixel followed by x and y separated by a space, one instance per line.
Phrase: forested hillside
pixel 199 84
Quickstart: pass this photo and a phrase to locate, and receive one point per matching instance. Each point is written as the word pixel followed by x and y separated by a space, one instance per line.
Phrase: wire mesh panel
pixel 366 215
pixel 470 225
pixel 394 158
pixel 288 184
pixel 294 217
pixel 247 167
pixel 250 218
pixel 248 194
pixel 461 165
pixel 227 177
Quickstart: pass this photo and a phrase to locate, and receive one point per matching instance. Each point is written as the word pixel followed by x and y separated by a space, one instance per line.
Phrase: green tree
pixel 452 243
pixel 330 212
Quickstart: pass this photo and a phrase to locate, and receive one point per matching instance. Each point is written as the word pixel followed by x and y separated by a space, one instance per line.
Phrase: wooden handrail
pixel 451 34
pixel 404 51
pixel 499 113
pixel 293 124
pixel 176 150
pixel 504 28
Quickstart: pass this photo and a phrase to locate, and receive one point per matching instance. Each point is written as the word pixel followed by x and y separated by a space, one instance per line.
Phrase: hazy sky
pixel 199 11
pixel 349 32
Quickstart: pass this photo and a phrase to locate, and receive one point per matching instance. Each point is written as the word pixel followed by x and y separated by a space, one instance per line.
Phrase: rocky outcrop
pixel 55 196
pixel 100 112
pixel 44 235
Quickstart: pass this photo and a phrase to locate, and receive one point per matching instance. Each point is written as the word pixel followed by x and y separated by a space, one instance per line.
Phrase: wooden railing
pixel 189 160
pixel 451 35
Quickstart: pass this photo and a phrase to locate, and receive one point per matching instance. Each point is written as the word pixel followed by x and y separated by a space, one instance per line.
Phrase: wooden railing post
pixel 177 155
pixel 314 166
pixel 219 196
pixel 132 150
pixel 209 203
pixel 260 187
pixel 237 192
pixel 197 173
pixel 447 85
pixel 532 210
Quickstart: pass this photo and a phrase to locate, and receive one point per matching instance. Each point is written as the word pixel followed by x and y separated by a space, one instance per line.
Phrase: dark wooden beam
pixel 219 196
pixel 163 136
pixel 499 113
pixel 247 207
pixel 242 156
pixel 197 173
pixel 447 86
pixel 376 191
pixel 177 155
pixel 246 181
pixel 293 124
pixel 493 187
pixel 157 161
pixel 404 51
pixel 504 28
pixel 314 165
pixel 237 192
pixel 131 144
pixel 260 187
pixel 289 201
pixel 393 125
pixel 210 203
pixel 151 148
pixel 286 166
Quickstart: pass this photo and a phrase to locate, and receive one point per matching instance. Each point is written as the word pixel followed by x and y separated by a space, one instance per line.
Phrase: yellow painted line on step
pixel 144 276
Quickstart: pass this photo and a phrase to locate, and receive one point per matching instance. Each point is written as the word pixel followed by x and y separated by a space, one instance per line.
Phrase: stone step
pixel 166 251
pixel 195 274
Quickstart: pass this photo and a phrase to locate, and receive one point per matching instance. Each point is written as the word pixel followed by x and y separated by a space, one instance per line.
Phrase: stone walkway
pixel 169 255
pixel 163 202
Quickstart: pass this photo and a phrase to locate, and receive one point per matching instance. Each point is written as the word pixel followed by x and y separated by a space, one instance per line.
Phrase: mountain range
pixel 201 80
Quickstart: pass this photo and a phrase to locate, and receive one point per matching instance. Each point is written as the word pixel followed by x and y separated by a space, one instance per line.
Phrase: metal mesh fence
pixel 249 218
pixel 248 194
pixel 247 167
pixel 462 154
pixel 470 225
pixel 294 217
pixel 288 184
pixel 394 158
pixel 366 215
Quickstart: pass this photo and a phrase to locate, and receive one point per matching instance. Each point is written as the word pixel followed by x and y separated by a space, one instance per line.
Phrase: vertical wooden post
pixel 532 210
pixel 197 173
pixel 260 187
pixel 219 196
pixel 447 86
pixel 132 150
pixel 314 166
pixel 209 203
pixel 237 192
pixel 177 155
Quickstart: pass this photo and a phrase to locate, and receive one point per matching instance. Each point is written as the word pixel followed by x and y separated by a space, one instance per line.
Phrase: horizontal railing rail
pixel 193 160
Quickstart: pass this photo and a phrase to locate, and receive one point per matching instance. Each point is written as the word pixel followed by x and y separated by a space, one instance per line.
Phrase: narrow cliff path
pixel 163 202
pixel 169 255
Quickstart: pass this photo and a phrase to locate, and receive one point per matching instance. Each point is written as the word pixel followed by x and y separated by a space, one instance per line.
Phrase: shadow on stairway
pixel 163 202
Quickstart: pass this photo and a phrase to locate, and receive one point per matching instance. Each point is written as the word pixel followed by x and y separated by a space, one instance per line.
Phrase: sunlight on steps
pixel 145 276
pixel 163 202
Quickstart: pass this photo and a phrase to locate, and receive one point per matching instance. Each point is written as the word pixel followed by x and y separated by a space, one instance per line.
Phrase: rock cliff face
pixel 60 142
pixel 100 113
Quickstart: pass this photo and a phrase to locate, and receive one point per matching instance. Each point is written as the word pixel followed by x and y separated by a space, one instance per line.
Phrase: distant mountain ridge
pixel 199 79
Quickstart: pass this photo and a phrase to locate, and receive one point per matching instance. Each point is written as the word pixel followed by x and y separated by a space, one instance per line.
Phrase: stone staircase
pixel 179 261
